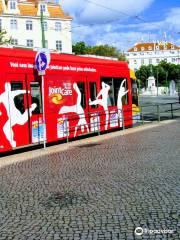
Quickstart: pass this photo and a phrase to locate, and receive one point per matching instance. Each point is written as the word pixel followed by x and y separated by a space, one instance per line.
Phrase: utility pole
pixel 166 82
pixel 42 80
pixel 42 30
pixel 157 73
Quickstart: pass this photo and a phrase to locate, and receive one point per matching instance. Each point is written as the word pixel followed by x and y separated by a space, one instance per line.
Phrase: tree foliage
pixel 164 72
pixel 3 38
pixel 81 48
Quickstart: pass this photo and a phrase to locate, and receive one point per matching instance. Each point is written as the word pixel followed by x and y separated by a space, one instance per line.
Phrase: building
pixel 22 21
pixel 152 53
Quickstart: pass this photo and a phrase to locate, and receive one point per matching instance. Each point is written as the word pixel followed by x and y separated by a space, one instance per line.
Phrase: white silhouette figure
pixel 103 101
pixel 77 108
pixel 121 93
pixel 14 115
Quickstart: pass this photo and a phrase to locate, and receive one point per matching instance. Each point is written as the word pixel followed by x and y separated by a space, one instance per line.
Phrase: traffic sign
pixel 42 60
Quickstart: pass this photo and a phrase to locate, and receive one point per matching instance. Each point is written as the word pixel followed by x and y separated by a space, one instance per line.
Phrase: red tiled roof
pixel 153 46
pixel 29 8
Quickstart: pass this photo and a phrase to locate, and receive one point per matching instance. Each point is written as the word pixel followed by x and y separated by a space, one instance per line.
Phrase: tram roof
pixel 27 53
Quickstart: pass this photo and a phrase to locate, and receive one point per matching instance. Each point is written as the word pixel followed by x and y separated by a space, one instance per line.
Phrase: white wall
pixel 154 55
pixel 51 35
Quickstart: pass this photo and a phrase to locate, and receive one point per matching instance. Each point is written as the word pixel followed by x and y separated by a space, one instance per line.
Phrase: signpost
pixel 42 61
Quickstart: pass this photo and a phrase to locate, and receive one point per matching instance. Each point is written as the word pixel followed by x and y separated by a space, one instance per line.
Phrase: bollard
pixel 172 111
pixel 158 113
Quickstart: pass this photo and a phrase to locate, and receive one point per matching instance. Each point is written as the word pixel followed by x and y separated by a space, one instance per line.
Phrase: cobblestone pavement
pixel 101 190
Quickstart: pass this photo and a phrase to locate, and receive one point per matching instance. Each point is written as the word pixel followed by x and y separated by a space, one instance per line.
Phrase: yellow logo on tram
pixel 56 98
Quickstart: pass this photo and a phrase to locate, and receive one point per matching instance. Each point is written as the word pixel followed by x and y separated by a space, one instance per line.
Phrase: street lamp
pixel 166 82
pixel 157 73
pixel 42 30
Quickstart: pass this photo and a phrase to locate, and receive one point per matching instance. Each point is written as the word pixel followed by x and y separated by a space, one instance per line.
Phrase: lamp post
pixel 42 30
pixel 157 73
pixel 166 82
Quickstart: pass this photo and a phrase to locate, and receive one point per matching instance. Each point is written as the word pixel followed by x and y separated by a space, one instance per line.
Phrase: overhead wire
pixel 118 18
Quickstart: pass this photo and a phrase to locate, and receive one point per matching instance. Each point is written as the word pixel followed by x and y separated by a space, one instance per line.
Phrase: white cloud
pixel 96 24
pixel 100 11
pixel 173 19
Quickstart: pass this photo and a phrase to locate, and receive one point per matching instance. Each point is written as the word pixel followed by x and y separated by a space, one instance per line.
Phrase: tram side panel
pixel 66 111
pixel 4 112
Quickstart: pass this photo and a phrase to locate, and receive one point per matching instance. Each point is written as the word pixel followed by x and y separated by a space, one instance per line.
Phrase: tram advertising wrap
pixel 81 95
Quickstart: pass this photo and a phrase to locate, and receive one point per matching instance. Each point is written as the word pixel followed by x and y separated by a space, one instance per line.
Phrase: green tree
pixel 164 72
pixel 142 74
pixel 80 48
pixel 3 38
pixel 100 50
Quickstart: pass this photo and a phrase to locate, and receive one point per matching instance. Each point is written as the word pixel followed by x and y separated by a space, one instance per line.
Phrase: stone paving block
pixel 94 192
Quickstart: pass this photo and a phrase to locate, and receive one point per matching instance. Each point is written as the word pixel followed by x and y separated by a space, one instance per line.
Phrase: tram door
pixel 16 126
pixel 94 109
pixel 36 128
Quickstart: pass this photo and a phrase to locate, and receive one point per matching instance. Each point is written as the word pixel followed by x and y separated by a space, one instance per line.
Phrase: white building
pixel 152 53
pixel 22 21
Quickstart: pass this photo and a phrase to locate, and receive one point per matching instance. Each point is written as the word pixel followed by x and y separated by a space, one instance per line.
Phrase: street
pixel 159 107
pixel 99 188
pixel 157 99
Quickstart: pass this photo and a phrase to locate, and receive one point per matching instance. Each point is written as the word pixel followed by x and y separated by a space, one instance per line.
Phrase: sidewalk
pixel 4 161
pixel 100 188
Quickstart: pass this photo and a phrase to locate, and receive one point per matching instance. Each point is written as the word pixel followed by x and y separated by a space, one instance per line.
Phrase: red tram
pixel 81 95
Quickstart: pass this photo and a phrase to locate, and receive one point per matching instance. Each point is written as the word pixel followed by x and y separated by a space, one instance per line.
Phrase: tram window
pixel 93 93
pixel 19 99
pixel 36 97
pixel 117 84
pixel 81 87
pixel 109 81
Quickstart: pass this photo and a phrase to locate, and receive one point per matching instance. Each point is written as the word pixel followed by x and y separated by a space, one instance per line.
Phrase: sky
pixel 123 23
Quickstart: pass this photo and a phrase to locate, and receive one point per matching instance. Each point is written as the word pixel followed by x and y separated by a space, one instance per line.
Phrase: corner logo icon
pixel 139 231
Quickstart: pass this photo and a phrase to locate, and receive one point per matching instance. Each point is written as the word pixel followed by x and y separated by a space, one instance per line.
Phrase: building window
pixel 157 47
pixel 157 60
pixel 150 61
pixel 58 26
pixel 173 59
pixel 14 41
pixel 58 45
pixel 29 43
pixel 12 4
pixel 13 24
pixel 29 25
pixel 149 48
pixel 142 61
pixel 165 59
pixel 42 8
pixel 135 61
pixel 172 47
pixel 45 26
pixel 0 24
pixel 142 48
pixel 135 49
